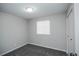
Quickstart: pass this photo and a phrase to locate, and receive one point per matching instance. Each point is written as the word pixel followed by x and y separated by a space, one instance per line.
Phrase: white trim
pixel 12 50
pixel 49 47
pixel 33 44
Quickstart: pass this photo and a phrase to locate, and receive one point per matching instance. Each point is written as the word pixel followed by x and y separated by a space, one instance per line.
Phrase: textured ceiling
pixel 40 9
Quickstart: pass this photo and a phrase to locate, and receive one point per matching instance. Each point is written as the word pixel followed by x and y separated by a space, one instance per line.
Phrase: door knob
pixel 70 39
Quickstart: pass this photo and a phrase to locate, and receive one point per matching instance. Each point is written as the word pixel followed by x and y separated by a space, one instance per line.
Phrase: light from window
pixel 43 27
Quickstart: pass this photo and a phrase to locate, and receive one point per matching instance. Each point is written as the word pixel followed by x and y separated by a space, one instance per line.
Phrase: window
pixel 43 27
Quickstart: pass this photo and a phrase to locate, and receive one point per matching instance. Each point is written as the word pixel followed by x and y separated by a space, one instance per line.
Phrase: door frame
pixel 68 35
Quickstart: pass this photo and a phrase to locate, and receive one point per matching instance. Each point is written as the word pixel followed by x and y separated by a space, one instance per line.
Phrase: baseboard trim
pixel 12 49
pixel 48 47
pixel 32 44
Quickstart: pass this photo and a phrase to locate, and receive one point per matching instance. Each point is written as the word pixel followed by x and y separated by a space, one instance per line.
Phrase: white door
pixel 70 32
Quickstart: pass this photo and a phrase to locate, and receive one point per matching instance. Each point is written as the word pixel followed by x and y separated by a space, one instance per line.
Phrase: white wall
pixel 13 34
pixel 76 10
pixel 57 38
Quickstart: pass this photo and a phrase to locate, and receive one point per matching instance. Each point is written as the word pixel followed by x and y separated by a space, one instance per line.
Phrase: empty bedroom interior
pixel 39 29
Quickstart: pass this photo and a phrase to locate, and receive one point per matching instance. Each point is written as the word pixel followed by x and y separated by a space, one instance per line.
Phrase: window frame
pixel 42 32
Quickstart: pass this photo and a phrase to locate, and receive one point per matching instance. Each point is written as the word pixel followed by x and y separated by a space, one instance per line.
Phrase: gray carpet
pixel 33 50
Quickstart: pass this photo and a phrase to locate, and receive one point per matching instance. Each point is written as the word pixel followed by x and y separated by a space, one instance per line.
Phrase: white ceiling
pixel 40 9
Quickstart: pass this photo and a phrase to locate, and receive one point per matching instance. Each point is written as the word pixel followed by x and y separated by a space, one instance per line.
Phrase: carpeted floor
pixel 33 50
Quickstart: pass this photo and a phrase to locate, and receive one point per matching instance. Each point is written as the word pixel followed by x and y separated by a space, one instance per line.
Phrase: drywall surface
pixel 13 32
pixel 56 39
pixel 76 11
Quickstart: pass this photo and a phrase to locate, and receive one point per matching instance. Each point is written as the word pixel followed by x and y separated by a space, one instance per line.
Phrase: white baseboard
pixel 12 49
pixel 33 44
pixel 49 47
